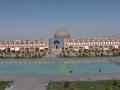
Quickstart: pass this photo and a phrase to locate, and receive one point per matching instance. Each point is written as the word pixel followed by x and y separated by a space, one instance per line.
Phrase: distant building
pixel 24 45
pixel 61 41
pixel 92 44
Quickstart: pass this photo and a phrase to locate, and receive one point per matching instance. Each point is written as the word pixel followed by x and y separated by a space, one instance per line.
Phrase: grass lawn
pixel 4 84
pixel 84 85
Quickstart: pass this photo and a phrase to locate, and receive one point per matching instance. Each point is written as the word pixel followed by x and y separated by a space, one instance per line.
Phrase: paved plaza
pixel 31 81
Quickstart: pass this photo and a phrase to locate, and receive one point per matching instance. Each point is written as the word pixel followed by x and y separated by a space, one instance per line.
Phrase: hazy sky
pixel 27 19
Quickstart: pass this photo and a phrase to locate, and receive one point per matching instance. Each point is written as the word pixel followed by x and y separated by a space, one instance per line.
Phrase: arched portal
pixel 56 44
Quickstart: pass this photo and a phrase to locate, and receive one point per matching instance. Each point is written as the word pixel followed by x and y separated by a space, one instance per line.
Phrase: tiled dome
pixel 62 33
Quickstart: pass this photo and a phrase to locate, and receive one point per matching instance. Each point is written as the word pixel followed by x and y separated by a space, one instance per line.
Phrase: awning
pixel 46 47
pixel 12 49
pixel 116 46
pixel 86 47
pixel 17 49
pixel 41 48
pixel 3 48
pixel 105 48
pixel 76 49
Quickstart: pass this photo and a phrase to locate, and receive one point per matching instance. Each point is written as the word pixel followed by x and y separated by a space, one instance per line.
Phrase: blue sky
pixel 27 19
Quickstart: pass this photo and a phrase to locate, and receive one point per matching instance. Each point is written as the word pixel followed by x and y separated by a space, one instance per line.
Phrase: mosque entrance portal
pixel 56 44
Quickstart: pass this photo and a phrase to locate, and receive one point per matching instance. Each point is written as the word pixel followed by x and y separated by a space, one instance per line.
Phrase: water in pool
pixel 59 66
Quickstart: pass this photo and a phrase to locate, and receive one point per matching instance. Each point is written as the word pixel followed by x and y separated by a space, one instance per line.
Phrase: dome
pixel 62 33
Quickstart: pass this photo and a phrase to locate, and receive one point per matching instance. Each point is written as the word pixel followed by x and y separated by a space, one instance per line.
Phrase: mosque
pixel 57 43
pixel 61 42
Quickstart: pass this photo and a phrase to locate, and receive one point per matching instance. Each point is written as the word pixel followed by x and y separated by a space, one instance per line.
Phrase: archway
pixel 56 44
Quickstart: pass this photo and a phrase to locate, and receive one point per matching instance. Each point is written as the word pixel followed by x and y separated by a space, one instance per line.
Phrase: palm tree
pixel 110 50
pixel 68 52
pixel 80 53
pixel 115 52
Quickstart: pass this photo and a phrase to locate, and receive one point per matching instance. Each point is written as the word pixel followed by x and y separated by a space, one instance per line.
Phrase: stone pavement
pixel 29 81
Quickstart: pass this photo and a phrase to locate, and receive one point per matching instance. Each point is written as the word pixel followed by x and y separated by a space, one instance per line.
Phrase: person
pixel 70 71
pixel 99 70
